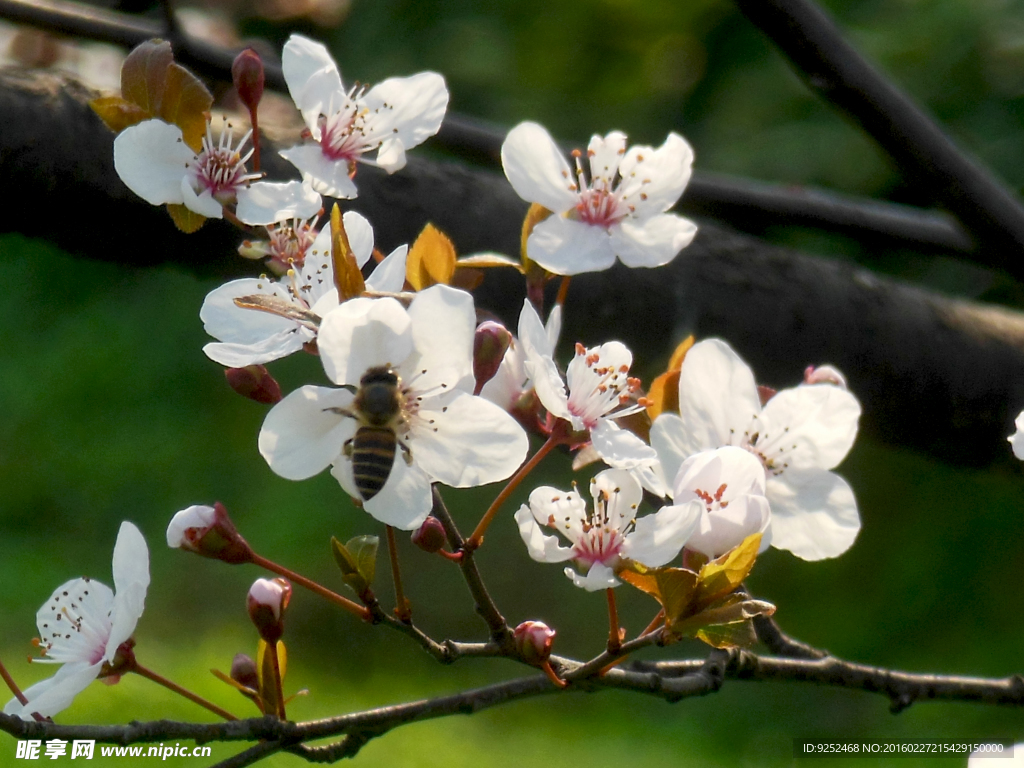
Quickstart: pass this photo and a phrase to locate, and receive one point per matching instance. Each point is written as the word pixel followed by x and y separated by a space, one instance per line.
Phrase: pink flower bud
pixel 824 374
pixel 430 537
pixel 266 603
pixel 208 531
pixel 533 641
pixel 243 671
pixel 247 74
pixel 489 346
pixel 254 382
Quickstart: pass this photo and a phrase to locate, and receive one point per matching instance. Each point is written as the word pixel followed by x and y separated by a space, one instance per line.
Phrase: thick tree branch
pixel 834 70
pixel 747 205
pixel 942 375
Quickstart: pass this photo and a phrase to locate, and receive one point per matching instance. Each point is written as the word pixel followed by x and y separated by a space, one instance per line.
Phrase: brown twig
pixel 402 608
pixel 342 602
pixel 172 686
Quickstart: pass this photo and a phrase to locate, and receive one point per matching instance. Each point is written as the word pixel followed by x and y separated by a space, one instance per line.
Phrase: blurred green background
pixel 110 411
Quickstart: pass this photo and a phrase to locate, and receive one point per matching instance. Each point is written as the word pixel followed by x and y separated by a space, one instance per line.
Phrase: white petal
pixel 620 447
pixel 605 155
pixel 660 537
pixel 809 426
pixel 569 247
pixel 196 516
pixel 301 437
pixel 652 242
pixel 717 396
pixel 623 494
pixel 271 348
pixel 542 548
pixel 1017 442
pixel 151 158
pixel 362 334
pixel 537 169
pixel 564 511
pixel 405 500
pixel 131 580
pixel 226 321
pixel 443 325
pixel 734 467
pixel 473 442
pixel 553 327
pixel 204 204
pixel 539 365
pixel 722 530
pixel 599 577
pixel 328 177
pixel 311 75
pixel 268 202
pixel 389 275
pixel 87 603
pixel 661 175
pixel 672 443
pixel 814 513
pixel 55 694
pixel 391 155
pixel 409 109
pixel 360 236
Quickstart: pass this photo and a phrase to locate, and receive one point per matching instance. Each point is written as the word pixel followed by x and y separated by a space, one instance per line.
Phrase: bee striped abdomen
pixel 373 456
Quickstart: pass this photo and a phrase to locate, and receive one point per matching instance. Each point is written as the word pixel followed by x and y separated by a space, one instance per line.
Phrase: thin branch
pixel 745 204
pixel 838 74
pixel 501 633
pixel 781 644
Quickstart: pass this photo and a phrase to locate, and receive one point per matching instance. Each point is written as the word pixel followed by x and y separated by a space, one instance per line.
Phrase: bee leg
pixel 347 448
pixel 406 453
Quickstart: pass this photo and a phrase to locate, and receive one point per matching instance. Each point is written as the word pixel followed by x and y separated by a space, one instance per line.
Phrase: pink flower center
pixel 713 502
pixel 289 244
pixel 603 535
pixel 220 168
pixel 351 131
pixel 600 204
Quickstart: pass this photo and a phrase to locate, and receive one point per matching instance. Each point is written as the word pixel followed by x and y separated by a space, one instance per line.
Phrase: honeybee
pixel 378 409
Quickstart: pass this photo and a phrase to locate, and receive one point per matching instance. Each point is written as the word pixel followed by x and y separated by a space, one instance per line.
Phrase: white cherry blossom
pixel 798 436
pixel 730 484
pixel 155 163
pixel 249 336
pixel 619 212
pixel 444 433
pixel 599 539
pixel 345 124
pixel 599 391
pixel 511 382
pixel 82 625
pixel 1017 438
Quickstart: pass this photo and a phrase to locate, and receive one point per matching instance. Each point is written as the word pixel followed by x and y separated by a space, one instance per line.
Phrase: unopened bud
pixel 533 641
pixel 824 374
pixel 489 346
pixel 247 74
pixel 243 671
pixel 254 382
pixel 430 537
pixel 208 531
pixel 266 603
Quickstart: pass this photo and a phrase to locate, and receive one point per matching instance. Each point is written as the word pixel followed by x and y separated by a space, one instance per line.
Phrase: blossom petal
pixel 605 154
pixel 389 275
pixel 536 168
pixel 312 77
pixel 360 236
pixel 471 442
pixel 569 247
pixel 725 529
pixel 91 603
pixel 622 495
pixel 151 158
pixel 671 442
pixel 564 511
pixel 301 436
pixel 658 538
pixel 266 202
pixel 734 467
pixel 619 447
pixel 226 321
pixel 539 365
pixel 542 548
pixel 717 396
pixel 405 500
pixel 55 694
pixel 651 242
pixel 443 325
pixel 328 177
pixel 599 577
pixel 814 513
pixel 408 110
pixel 361 334
pixel 196 516
pixel 271 348
pixel 204 204
pixel 809 426
pixel 1017 439
pixel 131 580
pixel 653 179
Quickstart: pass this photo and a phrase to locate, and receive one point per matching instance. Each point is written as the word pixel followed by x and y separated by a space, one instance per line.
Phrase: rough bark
pixel 941 375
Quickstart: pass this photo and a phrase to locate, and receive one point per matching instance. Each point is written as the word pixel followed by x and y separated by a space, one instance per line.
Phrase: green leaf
pixel 677 587
pixel 144 74
pixel 357 560
pixel 722 576
pixel 714 622
pixel 117 113
pixel 188 221
pixel 739 634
